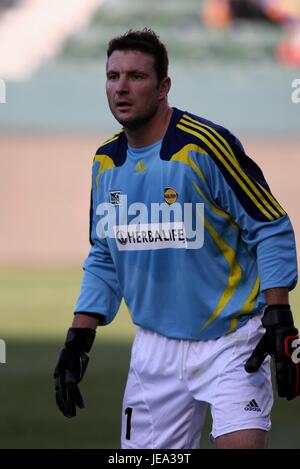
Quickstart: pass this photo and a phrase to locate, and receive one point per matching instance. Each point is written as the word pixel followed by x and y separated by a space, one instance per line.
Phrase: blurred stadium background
pixel 55 115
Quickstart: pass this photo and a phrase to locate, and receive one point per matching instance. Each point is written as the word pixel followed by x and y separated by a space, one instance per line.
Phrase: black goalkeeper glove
pixel 70 368
pixel 277 342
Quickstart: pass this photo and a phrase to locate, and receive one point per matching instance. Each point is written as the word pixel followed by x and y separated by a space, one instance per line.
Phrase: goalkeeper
pixel 210 315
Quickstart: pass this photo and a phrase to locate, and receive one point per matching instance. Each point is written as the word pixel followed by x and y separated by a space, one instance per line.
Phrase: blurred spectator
pixel 283 11
pixel 4 4
pixel 287 13
pixel 222 13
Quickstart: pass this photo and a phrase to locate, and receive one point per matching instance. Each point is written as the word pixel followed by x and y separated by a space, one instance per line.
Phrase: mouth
pixel 123 105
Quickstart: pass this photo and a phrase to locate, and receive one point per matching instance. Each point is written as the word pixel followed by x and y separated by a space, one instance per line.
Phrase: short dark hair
pixel 146 41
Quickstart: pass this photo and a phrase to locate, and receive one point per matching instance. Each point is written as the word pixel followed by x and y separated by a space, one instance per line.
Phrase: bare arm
pixel 85 320
pixel 277 296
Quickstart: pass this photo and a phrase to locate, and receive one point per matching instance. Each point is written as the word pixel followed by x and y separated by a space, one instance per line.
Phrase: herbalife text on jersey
pixel 137 226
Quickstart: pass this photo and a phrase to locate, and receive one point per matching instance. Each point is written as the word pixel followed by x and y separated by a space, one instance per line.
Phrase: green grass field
pixel 36 310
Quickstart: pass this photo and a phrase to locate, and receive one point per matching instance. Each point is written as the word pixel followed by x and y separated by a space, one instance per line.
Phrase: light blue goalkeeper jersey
pixel 182 292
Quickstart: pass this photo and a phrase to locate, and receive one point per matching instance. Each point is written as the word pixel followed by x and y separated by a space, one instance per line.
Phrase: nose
pixel 122 85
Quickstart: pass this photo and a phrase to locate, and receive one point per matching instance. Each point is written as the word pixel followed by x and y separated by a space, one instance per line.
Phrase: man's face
pixel 132 87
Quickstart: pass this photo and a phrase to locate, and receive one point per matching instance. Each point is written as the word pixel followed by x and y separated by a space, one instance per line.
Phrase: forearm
pixel 85 321
pixel 277 296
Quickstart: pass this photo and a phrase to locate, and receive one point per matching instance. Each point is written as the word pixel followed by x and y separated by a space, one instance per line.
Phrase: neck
pixel 152 131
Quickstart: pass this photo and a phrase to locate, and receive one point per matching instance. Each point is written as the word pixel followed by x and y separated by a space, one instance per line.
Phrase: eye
pixel 138 76
pixel 112 76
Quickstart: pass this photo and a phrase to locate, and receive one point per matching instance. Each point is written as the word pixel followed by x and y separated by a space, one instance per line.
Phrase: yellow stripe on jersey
pixel 106 162
pixel 183 156
pixel 233 325
pixel 247 306
pixel 215 209
pixel 274 201
pixel 231 171
pixel 234 277
pixel 202 128
pixel 249 303
pixel 226 144
pixel 236 164
pixel 111 139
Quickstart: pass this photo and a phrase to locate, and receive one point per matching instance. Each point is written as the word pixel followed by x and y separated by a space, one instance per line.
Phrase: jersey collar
pixel 167 142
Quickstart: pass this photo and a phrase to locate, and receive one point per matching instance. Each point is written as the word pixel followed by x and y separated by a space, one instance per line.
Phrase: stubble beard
pixel 136 122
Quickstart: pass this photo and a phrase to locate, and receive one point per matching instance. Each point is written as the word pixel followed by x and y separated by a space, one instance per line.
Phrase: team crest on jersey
pixel 170 195
pixel 115 197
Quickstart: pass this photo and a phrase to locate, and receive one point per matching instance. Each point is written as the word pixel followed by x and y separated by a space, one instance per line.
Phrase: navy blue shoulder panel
pixel 115 148
pixel 250 167
pixel 242 174
pixel 174 139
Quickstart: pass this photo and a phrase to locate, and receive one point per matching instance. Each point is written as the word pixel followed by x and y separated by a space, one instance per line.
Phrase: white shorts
pixel 170 383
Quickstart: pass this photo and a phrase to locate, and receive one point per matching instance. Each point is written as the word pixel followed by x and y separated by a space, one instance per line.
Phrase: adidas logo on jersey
pixel 253 406
pixel 140 167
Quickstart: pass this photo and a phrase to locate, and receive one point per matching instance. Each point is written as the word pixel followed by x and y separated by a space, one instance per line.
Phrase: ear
pixel 164 87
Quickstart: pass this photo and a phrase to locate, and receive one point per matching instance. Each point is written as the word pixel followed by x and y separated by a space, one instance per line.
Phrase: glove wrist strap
pixel 277 315
pixel 80 339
